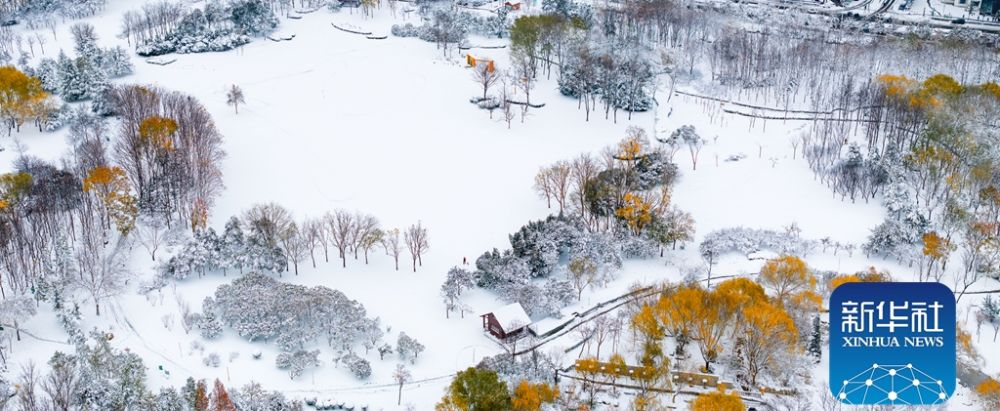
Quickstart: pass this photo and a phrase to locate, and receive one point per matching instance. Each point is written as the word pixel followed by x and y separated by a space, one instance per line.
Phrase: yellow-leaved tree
pixel 636 211
pixel 936 249
pixel 21 98
pixel 157 131
pixel 677 313
pixel 989 393
pixel 768 332
pixel 530 396
pixel 786 276
pixel 13 186
pixel 110 185
pixel 718 401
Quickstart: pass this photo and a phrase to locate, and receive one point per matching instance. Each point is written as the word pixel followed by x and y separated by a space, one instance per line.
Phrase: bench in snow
pixel 161 61
pixel 280 36
pixel 351 29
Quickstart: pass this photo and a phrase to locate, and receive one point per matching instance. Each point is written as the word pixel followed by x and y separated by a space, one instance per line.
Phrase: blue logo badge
pixel 892 343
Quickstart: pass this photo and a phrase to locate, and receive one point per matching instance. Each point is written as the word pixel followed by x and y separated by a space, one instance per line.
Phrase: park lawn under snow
pixel 335 120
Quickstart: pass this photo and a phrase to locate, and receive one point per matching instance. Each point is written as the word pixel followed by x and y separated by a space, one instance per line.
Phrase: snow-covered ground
pixel 336 120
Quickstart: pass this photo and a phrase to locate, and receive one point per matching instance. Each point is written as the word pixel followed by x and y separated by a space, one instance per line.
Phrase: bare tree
pixel 296 245
pixel 559 181
pixel 340 224
pixel 401 376
pixel 271 220
pixel 416 241
pixel 61 383
pixel 365 228
pixel 187 320
pixel 486 76
pixel 152 232
pixel 524 73
pixel 393 246
pixel 370 236
pixel 40 38
pixel 312 230
pixel 27 392
pixel 102 268
pixel 234 97
pixel 543 185
pixel 582 170
pixel 506 107
pixel 322 235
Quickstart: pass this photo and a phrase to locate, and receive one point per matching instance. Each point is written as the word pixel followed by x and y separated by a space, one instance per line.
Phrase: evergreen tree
pixel 816 339
pixel 233 246
pixel 253 17
pixel 200 397
pixel 169 399
pixel 72 80
pixel 220 398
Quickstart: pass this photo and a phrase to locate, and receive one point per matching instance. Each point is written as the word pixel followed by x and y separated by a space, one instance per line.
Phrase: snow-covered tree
pixel 297 362
pixel 209 324
pixel 408 348
pixel 457 281
pixel 358 366
pixel 253 17
pixel 234 97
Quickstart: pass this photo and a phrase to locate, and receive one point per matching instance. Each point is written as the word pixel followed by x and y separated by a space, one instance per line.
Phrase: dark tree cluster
pixel 67 228
pixel 97 376
pixel 86 76
pixel 259 308
pixel 170 150
pixel 167 27
pixel 267 238
pixel 35 12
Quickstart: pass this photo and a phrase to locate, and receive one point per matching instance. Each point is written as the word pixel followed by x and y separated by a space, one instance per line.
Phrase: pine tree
pixel 233 248
pixel 220 398
pixel 72 82
pixel 200 402
pixel 816 339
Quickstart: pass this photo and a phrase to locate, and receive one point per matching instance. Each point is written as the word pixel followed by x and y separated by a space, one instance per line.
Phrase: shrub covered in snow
pixel 260 308
pixel 212 360
pixel 220 27
pixel 58 118
pixel 406 30
pixel 751 240
pixel 358 366
pixel 185 43
pixel 297 362
pixel 253 397
pixel 536 367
